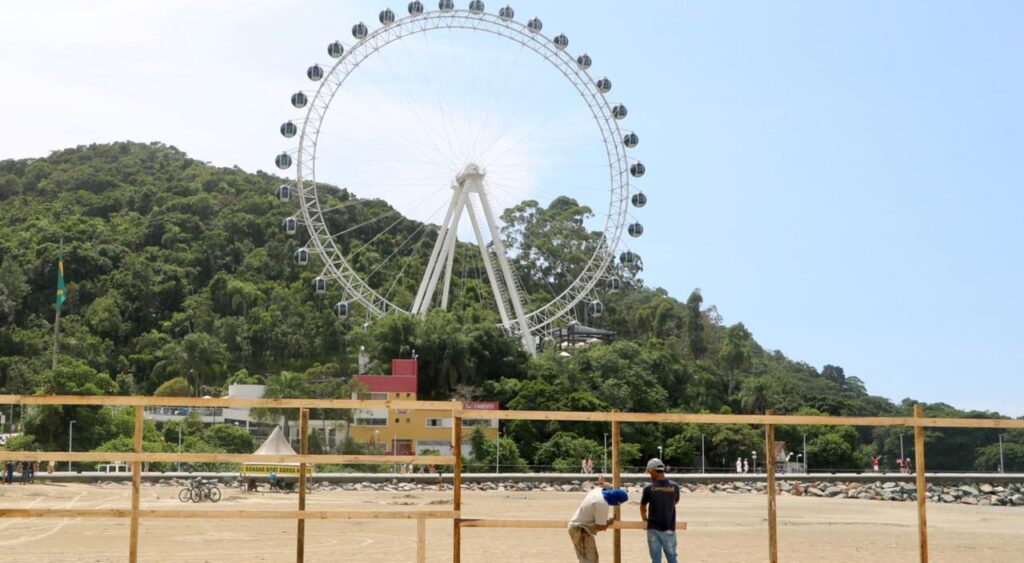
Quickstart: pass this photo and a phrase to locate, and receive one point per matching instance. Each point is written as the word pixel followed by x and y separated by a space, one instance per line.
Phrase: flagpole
pixel 56 320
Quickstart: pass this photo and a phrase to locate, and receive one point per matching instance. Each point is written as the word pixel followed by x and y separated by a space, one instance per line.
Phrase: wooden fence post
pixel 922 486
pixel 773 531
pixel 457 487
pixel 300 546
pixel 616 482
pixel 421 540
pixel 133 539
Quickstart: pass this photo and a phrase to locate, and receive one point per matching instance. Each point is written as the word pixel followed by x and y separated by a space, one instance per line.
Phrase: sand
pixel 722 528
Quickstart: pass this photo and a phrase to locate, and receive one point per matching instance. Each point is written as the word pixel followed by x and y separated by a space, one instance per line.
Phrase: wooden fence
pixel 918 422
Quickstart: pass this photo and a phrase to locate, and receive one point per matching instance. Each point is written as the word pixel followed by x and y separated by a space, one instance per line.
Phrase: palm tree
pixel 286 385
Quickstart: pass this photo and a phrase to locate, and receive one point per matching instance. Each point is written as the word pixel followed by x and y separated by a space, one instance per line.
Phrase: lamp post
pixel 71 435
pixel 497 453
pixel 702 453
pixel 604 464
pixel 1002 468
pixel 902 457
pixel 753 454
pixel 806 468
pixel 180 424
pixel 659 454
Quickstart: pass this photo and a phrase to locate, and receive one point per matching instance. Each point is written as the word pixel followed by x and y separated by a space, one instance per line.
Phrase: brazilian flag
pixel 61 297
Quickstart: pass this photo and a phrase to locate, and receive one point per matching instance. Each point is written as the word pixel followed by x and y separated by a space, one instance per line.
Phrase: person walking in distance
pixel 592 517
pixel 658 509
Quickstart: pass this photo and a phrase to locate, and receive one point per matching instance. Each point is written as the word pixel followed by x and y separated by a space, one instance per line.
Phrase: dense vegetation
pixel 180 280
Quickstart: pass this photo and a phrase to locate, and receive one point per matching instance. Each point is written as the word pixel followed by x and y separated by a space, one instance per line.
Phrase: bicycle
pixel 199 491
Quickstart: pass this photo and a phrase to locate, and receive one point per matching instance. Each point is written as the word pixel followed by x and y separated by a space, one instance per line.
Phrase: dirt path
pixel 722 528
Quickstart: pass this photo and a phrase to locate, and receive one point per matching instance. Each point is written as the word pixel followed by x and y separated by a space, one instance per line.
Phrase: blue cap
pixel 615 497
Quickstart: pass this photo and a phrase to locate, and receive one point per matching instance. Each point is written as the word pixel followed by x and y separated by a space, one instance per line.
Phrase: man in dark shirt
pixel 658 509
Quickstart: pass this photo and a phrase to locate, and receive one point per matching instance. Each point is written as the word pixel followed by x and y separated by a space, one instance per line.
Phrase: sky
pixel 842 177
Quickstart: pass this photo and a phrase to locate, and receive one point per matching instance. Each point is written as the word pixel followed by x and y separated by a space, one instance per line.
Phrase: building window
pixel 371 422
pixel 471 423
pixel 371 396
pixel 439 423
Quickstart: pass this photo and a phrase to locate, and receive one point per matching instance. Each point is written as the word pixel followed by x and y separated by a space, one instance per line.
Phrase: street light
pixel 71 435
pixel 902 457
pixel 497 453
pixel 702 453
pixel 1002 468
pixel 604 465
pixel 806 469
pixel 659 453
pixel 753 454
pixel 180 424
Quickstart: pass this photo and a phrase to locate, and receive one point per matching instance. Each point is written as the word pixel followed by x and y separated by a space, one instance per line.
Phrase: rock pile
pixel 970 493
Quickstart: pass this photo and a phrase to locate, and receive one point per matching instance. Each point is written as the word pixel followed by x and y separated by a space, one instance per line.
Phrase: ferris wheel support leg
pixel 449 243
pixel 448 266
pixel 442 234
pixel 506 270
pixel 491 275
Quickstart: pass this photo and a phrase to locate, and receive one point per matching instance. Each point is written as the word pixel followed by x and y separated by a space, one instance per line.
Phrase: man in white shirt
pixel 592 517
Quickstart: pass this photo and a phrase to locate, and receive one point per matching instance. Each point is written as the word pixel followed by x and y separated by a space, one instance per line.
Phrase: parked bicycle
pixel 199 490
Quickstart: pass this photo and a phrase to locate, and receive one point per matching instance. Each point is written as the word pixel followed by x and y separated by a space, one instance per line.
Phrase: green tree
pixel 176 387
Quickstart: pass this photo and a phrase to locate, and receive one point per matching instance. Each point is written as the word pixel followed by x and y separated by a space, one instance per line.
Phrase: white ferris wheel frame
pixel 335 265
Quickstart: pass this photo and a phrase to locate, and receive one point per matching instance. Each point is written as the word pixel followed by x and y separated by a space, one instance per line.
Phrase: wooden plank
pixel 922 486
pixel 223 402
pixel 538 524
pixel 457 486
pixel 193 514
pixel 616 482
pixel 151 457
pixel 421 541
pixel 65 513
pixel 133 538
pixel 681 418
pixel 750 419
pixel 773 532
pixel 300 540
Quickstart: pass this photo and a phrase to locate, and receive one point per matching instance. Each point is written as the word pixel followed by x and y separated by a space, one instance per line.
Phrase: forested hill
pixel 178 268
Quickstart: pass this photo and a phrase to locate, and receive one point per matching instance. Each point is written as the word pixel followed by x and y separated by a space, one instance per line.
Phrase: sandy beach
pixel 721 528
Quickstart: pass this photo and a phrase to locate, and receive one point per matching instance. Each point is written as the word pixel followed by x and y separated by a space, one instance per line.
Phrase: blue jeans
pixel 658 541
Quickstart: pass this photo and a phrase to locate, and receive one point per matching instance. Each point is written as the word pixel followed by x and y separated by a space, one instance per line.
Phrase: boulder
pixel 969 490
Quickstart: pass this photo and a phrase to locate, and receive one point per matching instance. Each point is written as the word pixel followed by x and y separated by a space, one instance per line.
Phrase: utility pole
pixel 1002 467
pixel 702 453
pixel 497 453
pixel 604 464
pixel 180 424
pixel 71 435
pixel 902 457
pixel 807 469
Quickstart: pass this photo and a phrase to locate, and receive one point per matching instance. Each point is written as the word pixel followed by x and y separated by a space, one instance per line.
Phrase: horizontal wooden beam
pixel 497 523
pixel 229 514
pixel 752 419
pixel 133 400
pixel 456 409
pixel 186 457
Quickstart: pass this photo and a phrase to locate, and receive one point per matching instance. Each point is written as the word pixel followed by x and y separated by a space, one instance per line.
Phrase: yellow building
pixel 410 432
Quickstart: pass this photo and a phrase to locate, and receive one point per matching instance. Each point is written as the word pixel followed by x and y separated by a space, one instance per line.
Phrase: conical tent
pixel 275 445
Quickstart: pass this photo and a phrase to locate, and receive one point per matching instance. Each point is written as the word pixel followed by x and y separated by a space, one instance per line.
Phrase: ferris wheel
pixel 429 139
